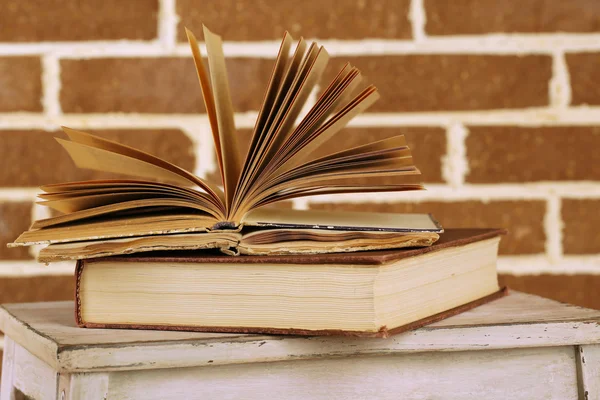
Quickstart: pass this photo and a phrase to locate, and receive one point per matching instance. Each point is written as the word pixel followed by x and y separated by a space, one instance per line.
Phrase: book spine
pixel 78 271
pixel 224 225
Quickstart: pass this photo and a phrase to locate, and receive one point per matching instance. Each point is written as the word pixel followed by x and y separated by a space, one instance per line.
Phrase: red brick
pixel 313 18
pixel 21 83
pixel 580 290
pixel 584 75
pixel 154 85
pixel 560 153
pixel 42 20
pixel 34 158
pixel 523 219
pixel 581 219
pixel 37 288
pixel 454 82
pixel 472 17
pixel 15 217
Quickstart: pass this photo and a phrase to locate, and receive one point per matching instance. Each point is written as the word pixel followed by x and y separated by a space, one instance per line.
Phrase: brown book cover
pixel 452 238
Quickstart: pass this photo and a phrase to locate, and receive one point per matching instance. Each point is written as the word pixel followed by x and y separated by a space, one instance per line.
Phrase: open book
pixel 165 207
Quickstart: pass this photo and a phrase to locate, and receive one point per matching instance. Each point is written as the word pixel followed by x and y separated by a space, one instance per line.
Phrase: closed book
pixel 367 294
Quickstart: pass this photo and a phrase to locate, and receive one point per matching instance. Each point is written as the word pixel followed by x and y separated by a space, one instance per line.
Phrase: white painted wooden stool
pixel 518 347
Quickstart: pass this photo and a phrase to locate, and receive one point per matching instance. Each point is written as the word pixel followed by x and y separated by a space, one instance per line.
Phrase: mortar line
pixel 539 264
pixel 483 193
pixel 167 25
pixel 418 19
pixel 19 194
pixel 531 117
pixel 455 164
pixel 560 85
pixel 507 44
pixel 553 228
pixel 51 86
pixel 32 268
pixel 206 162
pixel 38 212
pixel 434 192
pixel 300 203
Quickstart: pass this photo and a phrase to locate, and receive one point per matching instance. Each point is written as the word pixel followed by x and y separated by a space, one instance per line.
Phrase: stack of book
pixel 166 249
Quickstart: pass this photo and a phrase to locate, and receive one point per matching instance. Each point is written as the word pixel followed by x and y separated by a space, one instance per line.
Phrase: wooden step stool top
pixel 48 331
pixel 530 326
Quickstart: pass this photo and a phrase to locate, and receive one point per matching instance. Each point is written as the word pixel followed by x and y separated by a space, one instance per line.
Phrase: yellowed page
pixel 363 101
pixel 315 175
pixel 273 88
pixel 117 227
pixel 269 236
pixel 280 163
pixel 393 151
pixel 340 182
pixel 87 139
pixel 322 188
pixel 207 95
pixel 393 142
pixel 259 136
pixel 391 167
pixel 292 70
pixel 112 185
pixel 305 83
pixel 69 205
pixel 102 184
pixel 106 161
pixel 378 172
pixel 160 192
pixel 134 205
pixel 302 152
pixel 105 248
pixel 316 219
pixel 232 159
pixel 280 128
pixel 419 239
pixel 337 93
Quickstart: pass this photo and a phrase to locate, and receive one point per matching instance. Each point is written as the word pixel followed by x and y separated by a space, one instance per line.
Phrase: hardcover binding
pixel 450 238
pixel 383 332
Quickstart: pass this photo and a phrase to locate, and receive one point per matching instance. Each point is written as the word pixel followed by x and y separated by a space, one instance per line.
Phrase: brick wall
pixel 500 101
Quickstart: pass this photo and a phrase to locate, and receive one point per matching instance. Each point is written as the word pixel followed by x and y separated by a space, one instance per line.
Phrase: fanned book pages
pixel 293 152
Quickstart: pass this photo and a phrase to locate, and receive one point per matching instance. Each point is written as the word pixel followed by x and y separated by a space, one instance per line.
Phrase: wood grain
pixel 8 362
pixel 588 358
pixel 31 376
pixel 547 373
pixel 517 321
